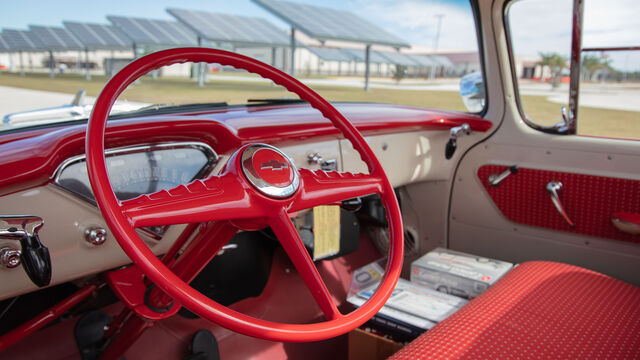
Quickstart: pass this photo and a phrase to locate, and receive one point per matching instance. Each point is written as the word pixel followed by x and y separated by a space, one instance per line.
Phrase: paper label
pixel 326 231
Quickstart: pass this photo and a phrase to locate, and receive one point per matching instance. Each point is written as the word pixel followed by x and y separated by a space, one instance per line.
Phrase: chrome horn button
pixel 270 171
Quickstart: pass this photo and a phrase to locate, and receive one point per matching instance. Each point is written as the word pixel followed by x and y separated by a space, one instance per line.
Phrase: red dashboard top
pixel 29 158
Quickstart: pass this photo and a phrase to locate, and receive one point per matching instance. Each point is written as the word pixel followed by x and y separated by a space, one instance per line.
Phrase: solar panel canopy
pixel 21 40
pixel 4 47
pixel 359 55
pixel 231 28
pixel 423 60
pixel 155 32
pixel 99 36
pixel 441 60
pixel 331 54
pixel 330 24
pixel 55 38
pixel 399 59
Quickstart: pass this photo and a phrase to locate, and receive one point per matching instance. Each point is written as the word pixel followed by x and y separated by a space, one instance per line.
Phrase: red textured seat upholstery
pixel 540 310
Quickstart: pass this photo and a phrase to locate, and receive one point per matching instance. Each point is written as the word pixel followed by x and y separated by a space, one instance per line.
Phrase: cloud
pixel 540 26
pixel 536 25
pixel 609 23
pixel 415 21
pixel 545 26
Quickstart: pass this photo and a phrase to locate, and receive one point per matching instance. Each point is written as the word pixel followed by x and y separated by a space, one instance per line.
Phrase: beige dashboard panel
pixel 328 150
pixel 406 157
pixel 66 217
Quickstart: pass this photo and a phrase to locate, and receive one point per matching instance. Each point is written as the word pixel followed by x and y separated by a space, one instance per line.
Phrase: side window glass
pixel 540 48
pixel 609 101
pixel 540 40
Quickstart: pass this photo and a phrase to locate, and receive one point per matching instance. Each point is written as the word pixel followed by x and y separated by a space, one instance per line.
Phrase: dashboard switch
pixel 95 235
pixel 325 165
pixel 9 258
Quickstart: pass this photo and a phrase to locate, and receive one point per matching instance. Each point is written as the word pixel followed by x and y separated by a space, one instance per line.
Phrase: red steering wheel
pixel 259 185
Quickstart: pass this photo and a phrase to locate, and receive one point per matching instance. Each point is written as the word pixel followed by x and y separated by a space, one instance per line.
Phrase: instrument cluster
pixel 138 170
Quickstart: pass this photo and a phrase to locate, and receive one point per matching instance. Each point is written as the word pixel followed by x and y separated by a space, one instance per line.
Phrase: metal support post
pixel 367 65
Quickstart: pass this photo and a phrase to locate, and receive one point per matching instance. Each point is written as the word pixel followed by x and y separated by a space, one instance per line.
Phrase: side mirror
pixel 472 91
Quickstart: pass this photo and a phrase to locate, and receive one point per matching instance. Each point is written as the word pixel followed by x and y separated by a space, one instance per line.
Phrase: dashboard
pixel 45 172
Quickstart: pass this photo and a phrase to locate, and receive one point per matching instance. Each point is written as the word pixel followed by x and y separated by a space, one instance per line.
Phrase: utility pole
pixel 436 40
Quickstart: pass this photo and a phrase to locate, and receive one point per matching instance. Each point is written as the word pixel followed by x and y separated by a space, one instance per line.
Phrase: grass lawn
pixel 592 121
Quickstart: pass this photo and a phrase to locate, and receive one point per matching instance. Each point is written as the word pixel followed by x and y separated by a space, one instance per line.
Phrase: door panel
pixel 590 201
pixel 521 224
pixel 533 230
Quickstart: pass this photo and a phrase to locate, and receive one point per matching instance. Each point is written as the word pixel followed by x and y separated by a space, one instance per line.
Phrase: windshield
pixel 415 53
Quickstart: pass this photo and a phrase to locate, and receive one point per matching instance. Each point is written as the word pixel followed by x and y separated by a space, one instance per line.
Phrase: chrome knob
pixel 95 235
pixel 9 258
pixel 326 165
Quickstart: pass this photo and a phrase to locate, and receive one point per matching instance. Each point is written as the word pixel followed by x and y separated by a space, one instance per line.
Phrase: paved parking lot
pixel 14 100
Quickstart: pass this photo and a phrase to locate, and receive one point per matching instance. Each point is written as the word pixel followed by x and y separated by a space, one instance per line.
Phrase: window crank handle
pixel 552 188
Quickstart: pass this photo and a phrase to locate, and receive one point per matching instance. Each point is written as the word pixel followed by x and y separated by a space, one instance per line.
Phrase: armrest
pixel 626 222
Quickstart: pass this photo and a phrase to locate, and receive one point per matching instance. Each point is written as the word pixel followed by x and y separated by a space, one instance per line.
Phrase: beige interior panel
pixel 408 157
pixel 477 226
pixel 66 217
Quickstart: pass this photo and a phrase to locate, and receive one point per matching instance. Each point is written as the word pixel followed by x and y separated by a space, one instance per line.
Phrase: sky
pixel 537 25
pixel 545 26
pixel 413 21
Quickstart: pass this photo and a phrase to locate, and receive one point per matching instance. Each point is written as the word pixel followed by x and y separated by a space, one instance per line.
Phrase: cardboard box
pixel 457 273
pixel 364 345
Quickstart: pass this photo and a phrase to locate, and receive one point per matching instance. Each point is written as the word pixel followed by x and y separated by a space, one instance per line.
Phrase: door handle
pixel 454 134
pixel 626 222
pixel 496 179
pixel 552 188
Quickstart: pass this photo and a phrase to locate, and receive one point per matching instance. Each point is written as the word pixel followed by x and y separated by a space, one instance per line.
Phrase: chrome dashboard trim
pixel 212 160
pixel 208 150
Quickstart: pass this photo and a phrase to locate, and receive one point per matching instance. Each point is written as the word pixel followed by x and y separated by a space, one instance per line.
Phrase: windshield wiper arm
pixel 159 109
pixel 195 106
pixel 276 101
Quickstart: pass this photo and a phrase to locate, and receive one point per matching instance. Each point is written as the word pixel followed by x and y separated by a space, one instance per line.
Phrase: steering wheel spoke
pixel 327 187
pixel 215 198
pixel 286 232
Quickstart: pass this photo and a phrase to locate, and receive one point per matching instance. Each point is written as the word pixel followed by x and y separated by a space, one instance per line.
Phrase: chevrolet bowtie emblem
pixel 274 165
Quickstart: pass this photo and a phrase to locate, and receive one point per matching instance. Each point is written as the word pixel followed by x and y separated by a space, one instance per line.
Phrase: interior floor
pixel 170 338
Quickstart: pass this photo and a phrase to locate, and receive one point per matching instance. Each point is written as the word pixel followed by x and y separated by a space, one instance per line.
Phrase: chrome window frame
pixel 569 123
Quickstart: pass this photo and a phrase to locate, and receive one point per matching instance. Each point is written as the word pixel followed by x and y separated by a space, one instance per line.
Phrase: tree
pixel 556 64
pixel 590 65
pixel 399 73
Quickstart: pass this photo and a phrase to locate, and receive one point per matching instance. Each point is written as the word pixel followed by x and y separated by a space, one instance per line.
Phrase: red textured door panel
pixel 589 200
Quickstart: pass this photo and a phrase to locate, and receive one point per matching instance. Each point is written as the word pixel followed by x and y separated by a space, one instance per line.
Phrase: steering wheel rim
pixel 122 227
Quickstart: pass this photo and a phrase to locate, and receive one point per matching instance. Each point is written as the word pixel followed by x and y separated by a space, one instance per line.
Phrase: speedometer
pixel 138 170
